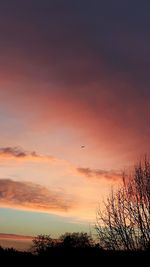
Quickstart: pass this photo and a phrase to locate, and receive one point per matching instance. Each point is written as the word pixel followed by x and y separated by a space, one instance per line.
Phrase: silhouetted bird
pixel 82 146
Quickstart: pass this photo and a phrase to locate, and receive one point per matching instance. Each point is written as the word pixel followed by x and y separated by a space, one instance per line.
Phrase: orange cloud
pixel 33 196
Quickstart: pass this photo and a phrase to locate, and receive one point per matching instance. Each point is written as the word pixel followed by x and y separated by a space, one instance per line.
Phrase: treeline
pixel 70 249
pixel 70 252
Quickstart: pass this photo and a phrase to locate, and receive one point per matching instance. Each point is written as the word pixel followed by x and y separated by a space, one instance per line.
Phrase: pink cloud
pixel 32 196
pixel 15 237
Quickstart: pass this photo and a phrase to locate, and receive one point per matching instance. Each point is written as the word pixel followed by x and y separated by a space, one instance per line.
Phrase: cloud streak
pixel 16 152
pixel 33 197
pixel 100 174
pixel 21 154
pixel 15 237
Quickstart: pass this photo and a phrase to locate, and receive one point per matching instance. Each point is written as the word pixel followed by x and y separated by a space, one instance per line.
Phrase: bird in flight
pixel 82 146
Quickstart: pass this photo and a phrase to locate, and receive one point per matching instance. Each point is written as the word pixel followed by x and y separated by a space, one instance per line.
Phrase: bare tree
pixel 125 222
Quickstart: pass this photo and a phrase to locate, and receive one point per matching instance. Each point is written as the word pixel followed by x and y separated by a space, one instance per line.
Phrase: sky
pixel 74 108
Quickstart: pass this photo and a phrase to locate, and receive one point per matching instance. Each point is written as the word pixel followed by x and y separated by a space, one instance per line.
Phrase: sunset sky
pixel 74 108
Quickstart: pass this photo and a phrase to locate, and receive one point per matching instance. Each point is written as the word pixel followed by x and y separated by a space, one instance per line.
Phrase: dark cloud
pixel 75 43
pixel 100 174
pixel 32 196
pixel 85 55
pixel 20 153
pixel 16 152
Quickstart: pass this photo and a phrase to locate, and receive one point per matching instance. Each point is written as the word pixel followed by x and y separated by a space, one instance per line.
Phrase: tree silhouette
pixel 125 222
pixel 42 243
pixel 76 240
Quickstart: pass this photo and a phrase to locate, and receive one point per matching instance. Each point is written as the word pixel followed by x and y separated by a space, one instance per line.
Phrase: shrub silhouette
pixel 76 240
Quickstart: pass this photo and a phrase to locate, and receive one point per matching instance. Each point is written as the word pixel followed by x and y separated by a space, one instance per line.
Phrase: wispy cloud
pixel 17 152
pixel 15 237
pixel 33 196
pixel 98 173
